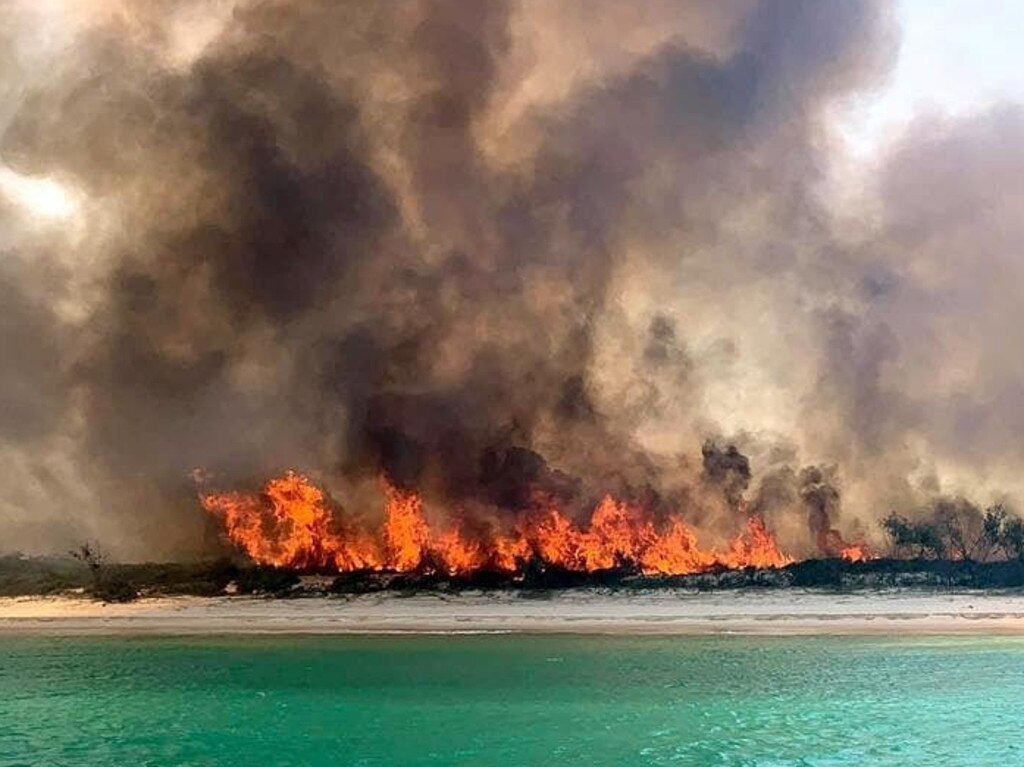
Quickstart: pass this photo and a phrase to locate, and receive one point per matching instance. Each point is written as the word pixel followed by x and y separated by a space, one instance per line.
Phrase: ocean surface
pixel 511 700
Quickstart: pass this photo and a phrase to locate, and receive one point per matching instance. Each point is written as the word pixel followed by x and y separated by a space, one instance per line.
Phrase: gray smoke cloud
pixel 488 246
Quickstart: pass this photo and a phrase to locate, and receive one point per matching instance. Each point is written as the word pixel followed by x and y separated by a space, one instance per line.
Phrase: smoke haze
pixel 483 246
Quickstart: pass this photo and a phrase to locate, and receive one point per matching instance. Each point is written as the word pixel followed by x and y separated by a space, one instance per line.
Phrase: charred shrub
pixel 264 579
pixel 818 573
pixel 358 582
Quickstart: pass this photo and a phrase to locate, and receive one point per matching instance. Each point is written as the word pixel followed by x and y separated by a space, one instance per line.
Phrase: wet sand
pixel 783 612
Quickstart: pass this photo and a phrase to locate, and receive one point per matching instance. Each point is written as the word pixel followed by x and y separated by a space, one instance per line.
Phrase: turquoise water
pixel 511 700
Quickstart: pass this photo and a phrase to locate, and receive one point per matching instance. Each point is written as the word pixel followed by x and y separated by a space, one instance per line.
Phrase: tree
pixel 919 538
pixel 957 529
pixel 992 530
pixel 960 525
pixel 1003 532
pixel 929 539
pixel 90 555
pixel 1012 538
pixel 108 589
pixel 898 530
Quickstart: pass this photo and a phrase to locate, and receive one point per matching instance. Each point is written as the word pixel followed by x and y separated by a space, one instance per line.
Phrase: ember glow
pixel 292 523
pixel 856 552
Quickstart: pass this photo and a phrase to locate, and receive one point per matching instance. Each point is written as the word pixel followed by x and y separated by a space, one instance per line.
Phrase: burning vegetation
pixel 517 515
pixel 293 526
pixel 533 522
pixel 292 523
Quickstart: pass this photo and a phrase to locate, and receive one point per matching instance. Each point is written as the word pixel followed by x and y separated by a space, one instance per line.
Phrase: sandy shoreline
pixel 663 612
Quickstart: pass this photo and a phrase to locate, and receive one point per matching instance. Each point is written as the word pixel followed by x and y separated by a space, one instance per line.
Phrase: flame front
pixel 290 524
pixel 293 524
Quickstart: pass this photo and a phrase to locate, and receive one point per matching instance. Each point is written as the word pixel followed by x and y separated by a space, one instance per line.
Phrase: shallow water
pixel 511 700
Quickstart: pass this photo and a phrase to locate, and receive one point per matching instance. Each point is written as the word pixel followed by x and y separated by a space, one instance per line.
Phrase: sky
pixel 956 57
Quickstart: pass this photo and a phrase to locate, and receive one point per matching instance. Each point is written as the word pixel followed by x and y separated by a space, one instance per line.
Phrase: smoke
pixel 490 249
pixel 728 468
pixel 821 496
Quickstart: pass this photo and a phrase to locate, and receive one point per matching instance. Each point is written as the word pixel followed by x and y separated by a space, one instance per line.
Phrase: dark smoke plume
pixel 821 496
pixel 728 468
pixel 490 250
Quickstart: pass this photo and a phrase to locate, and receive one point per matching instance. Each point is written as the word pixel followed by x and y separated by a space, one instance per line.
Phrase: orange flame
pixel 856 552
pixel 756 549
pixel 831 543
pixel 405 530
pixel 293 524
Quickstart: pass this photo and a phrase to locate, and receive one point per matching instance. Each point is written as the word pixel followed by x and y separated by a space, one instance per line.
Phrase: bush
pixel 358 582
pixel 263 579
pixel 114 590
pixel 818 573
pixel 190 579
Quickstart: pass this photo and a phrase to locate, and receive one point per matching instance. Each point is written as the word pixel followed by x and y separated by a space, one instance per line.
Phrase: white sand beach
pixel 589 611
